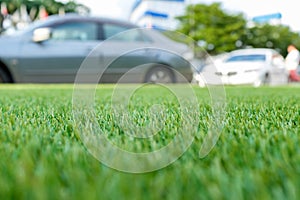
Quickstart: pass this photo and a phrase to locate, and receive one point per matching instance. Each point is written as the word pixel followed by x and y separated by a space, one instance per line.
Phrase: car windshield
pixel 245 58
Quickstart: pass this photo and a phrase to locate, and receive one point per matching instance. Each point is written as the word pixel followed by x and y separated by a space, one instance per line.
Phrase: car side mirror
pixel 41 34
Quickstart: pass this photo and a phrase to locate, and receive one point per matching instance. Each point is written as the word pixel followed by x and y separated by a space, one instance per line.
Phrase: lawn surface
pixel 256 157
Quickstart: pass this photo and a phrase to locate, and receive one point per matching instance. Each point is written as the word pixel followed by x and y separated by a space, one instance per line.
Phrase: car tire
pixel 160 74
pixel 4 78
pixel 267 79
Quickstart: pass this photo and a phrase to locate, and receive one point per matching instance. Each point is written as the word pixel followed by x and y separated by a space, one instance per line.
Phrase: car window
pixel 253 57
pixel 112 30
pixel 81 31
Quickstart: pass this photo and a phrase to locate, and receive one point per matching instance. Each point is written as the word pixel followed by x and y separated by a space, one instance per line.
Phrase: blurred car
pixel 52 50
pixel 255 66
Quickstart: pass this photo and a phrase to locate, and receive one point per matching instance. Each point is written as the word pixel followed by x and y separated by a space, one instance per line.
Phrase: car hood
pixel 240 66
pixel 5 41
pixel 8 43
pixel 8 37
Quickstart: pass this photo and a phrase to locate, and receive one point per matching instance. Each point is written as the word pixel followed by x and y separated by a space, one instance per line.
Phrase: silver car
pixel 52 51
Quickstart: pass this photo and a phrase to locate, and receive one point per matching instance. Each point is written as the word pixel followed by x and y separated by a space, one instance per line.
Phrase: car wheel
pixel 4 78
pixel 267 79
pixel 160 74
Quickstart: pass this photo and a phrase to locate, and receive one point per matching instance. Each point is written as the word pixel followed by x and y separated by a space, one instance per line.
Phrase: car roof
pixel 76 17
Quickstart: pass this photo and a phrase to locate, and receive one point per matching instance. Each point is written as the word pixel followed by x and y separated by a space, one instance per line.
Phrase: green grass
pixel 256 157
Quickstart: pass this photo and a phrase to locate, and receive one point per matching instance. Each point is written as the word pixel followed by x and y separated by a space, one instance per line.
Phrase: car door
pixel 120 38
pixel 58 59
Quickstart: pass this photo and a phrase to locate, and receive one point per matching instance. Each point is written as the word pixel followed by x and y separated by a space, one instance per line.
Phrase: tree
pixel 212 28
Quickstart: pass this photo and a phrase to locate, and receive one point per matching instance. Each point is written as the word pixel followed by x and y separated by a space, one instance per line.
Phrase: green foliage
pixel 256 157
pixel 214 28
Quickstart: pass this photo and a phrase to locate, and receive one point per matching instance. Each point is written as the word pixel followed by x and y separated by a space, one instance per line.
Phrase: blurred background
pixel 213 27
pixel 234 24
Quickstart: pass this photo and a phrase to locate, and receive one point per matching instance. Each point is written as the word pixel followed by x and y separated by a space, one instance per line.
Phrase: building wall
pixel 157 13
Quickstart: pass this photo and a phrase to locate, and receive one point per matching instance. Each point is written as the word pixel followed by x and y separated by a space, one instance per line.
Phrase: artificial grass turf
pixel 256 156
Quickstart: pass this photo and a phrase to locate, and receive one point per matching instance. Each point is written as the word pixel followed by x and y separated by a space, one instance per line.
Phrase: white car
pixel 255 66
